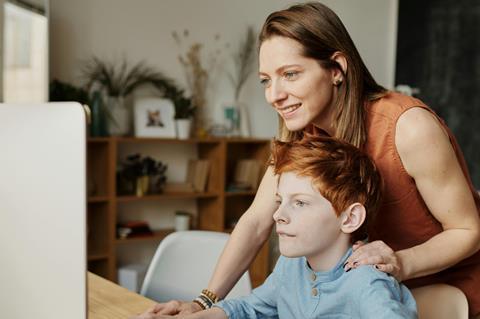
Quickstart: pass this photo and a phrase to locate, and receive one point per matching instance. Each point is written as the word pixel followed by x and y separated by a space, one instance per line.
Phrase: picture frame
pixel 154 117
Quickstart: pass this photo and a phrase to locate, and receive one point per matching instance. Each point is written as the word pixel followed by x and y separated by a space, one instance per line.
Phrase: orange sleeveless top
pixel 403 219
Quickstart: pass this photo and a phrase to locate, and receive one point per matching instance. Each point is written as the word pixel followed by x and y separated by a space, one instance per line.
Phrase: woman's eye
pixel 290 75
pixel 264 82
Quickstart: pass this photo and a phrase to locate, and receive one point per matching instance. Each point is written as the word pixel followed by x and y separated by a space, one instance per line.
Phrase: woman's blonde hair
pixel 321 33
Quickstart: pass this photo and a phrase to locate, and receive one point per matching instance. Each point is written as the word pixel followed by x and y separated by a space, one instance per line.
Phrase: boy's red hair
pixel 340 172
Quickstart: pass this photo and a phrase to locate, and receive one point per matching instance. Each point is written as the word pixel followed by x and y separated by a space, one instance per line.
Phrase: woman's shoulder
pixel 393 104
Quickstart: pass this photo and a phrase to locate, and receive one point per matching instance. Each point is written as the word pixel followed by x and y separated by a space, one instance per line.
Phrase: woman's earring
pixel 338 82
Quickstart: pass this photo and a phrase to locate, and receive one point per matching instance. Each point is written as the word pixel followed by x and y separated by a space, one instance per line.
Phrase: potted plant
pixel 117 82
pixel 141 175
pixel 184 113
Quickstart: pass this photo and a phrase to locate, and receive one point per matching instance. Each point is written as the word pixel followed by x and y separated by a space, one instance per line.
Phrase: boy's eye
pixel 290 75
pixel 299 203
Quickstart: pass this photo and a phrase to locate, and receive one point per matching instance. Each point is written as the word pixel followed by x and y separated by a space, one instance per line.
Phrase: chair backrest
pixel 183 264
pixel 441 302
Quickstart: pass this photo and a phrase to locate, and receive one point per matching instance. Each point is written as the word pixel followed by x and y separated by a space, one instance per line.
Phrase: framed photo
pixel 154 117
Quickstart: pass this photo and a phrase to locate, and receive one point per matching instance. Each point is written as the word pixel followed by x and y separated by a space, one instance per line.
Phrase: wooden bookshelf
pixel 164 196
pixel 157 236
pixel 217 208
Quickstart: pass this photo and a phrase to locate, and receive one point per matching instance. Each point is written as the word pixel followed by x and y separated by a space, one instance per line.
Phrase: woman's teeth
pixel 290 108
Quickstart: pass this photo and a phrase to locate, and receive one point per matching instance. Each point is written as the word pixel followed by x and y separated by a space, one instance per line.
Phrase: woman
pixel 428 229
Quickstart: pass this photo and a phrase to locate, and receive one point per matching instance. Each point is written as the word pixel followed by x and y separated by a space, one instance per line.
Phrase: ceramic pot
pixel 183 127
pixel 119 118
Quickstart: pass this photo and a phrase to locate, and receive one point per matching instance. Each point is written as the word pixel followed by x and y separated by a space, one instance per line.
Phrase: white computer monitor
pixel 43 211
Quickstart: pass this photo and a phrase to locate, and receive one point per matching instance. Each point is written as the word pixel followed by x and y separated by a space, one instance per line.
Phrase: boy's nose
pixel 280 217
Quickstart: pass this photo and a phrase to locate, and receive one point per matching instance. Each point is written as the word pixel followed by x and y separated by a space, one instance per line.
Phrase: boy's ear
pixel 353 217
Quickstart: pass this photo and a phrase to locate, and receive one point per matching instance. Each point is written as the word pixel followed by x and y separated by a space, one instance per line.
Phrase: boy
pixel 326 191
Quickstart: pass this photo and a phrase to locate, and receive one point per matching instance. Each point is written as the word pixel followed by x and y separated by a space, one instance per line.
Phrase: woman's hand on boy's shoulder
pixel 378 254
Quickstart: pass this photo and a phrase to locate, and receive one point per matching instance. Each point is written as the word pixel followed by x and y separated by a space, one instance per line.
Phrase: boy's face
pixel 306 222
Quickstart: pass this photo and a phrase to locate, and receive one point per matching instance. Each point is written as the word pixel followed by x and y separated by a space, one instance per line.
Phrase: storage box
pixel 131 276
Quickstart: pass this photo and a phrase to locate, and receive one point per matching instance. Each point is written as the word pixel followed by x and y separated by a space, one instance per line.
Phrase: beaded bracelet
pixel 200 302
pixel 206 300
pixel 212 296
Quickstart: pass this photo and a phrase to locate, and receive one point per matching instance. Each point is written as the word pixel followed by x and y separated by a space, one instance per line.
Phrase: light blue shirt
pixel 294 290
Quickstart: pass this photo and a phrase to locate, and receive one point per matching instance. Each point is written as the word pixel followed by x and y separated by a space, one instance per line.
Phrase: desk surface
pixel 108 300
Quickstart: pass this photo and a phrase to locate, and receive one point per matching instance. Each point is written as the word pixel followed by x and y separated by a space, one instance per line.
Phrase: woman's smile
pixel 288 111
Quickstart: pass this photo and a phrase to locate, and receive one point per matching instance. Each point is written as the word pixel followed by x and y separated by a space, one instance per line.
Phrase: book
pixel 247 174
pixel 197 174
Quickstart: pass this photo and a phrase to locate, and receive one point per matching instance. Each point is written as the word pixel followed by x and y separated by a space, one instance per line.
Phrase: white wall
pixel 141 30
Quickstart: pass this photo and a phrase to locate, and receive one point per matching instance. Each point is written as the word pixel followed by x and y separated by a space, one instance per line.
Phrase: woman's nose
pixel 276 93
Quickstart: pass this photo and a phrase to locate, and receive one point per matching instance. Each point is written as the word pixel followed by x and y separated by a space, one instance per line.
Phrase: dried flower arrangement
pixel 196 75
pixel 243 60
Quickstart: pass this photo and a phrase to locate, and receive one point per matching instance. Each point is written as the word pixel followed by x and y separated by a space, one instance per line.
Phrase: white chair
pixel 183 264
pixel 441 302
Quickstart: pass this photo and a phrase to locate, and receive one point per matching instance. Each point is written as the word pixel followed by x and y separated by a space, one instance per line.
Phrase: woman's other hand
pixel 168 309
pixel 174 307
pixel 376 253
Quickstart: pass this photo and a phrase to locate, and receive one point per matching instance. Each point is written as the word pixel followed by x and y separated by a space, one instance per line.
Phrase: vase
pixel 142 186
pixel 98 126
pixel 182 221
pixel 183 128
pixel 244 119
pixel 236 114
pixel 119 118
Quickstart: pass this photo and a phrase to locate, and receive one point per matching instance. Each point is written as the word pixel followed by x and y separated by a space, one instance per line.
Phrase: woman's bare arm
pixel 249 235
pixel 429 158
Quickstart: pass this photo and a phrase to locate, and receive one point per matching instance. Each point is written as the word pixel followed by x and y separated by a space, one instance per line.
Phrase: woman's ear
pixel 353 217
pixel 338 75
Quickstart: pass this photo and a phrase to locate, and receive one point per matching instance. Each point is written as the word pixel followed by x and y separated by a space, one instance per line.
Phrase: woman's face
pixel 297 87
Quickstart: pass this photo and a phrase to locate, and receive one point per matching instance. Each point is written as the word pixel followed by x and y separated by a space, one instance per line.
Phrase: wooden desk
pixel 107 300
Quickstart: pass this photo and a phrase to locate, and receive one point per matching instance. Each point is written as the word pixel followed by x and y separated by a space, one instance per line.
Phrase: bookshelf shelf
pixel 165 196
pixel 140 140
pixel 98 199
pixel 95 257
pixel 239 193
pixel 157 236
pixel 216 209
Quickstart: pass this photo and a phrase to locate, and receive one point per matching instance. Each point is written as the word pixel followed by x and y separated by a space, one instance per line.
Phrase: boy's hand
pixel 376 253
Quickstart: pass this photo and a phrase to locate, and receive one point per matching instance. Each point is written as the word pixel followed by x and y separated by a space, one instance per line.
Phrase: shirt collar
pixel 332 274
